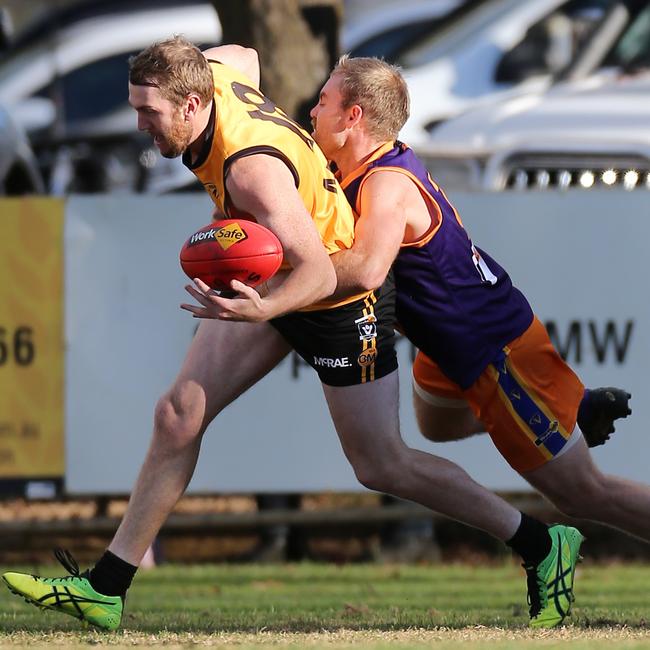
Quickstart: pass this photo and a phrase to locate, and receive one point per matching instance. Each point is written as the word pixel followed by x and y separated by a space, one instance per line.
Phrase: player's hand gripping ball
pixel 231 249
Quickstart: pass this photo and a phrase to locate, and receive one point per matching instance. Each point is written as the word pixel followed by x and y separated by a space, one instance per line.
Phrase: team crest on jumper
pixel 230 235
pixel 367 327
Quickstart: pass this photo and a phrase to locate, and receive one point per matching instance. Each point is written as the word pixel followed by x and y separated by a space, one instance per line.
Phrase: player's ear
pixel 355 114
pixel 192 106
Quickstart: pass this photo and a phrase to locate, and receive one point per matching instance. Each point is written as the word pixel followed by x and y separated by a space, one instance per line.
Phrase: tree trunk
pixel 297 42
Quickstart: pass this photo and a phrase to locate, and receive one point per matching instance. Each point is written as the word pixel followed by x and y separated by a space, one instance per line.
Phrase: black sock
pixel 531 540
pixel 112 576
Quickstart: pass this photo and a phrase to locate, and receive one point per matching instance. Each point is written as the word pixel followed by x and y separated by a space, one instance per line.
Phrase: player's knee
pixel 380 474
pixel 178 418
pixel 365 472
pixel 373 480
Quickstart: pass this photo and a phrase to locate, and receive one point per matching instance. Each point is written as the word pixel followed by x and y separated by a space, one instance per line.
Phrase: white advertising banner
pixel 579 257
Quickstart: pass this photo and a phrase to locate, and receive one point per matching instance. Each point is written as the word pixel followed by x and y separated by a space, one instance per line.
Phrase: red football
pixel 231 249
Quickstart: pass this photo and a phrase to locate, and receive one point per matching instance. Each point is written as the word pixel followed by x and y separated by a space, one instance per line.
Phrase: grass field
pixel 360 606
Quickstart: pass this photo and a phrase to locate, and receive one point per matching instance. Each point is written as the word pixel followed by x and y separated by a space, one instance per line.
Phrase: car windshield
pixel 575 18
pixel 389 43
pixel 392 43
pixel 463 24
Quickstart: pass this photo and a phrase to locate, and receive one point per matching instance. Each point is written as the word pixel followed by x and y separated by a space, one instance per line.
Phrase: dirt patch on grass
pixel 473 637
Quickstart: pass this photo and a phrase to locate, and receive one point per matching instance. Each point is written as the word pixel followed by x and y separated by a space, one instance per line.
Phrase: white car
pixel 590 130
pixel 75 66
pixel 493 48
pixel 68 86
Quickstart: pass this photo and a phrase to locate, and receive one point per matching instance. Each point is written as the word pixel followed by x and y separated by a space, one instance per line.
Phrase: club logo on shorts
pixel 367 327
pixel 367 357
pixel 553 427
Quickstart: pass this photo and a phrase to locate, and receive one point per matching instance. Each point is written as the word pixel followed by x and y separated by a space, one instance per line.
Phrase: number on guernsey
pixel 482 268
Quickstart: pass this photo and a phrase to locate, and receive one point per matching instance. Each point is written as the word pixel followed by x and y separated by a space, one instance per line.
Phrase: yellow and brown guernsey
pixel 244 122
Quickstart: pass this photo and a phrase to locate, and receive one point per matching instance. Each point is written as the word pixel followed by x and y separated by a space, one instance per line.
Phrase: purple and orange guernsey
pixel 454 302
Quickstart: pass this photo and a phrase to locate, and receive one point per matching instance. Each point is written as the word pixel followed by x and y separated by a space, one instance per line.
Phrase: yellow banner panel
pixel 31 338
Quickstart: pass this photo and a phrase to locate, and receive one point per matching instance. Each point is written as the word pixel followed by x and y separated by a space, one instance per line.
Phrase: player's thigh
pixel 366 416
pixel 441 410
pixel 444 423
pixel 568 476
pixel 528 398
pixel 226 358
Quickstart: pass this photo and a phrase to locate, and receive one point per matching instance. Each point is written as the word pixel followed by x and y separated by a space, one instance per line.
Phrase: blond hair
pixel 379 88
pixel 175 66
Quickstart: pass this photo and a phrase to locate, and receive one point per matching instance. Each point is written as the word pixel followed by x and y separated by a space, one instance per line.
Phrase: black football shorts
pixel 346 345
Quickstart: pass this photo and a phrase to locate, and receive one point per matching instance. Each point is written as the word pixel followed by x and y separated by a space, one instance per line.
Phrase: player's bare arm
pixel 263 186
pixel 244 59
pixel 378 233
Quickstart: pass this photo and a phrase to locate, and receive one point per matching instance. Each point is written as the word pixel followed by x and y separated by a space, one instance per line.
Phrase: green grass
pixel 307 604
